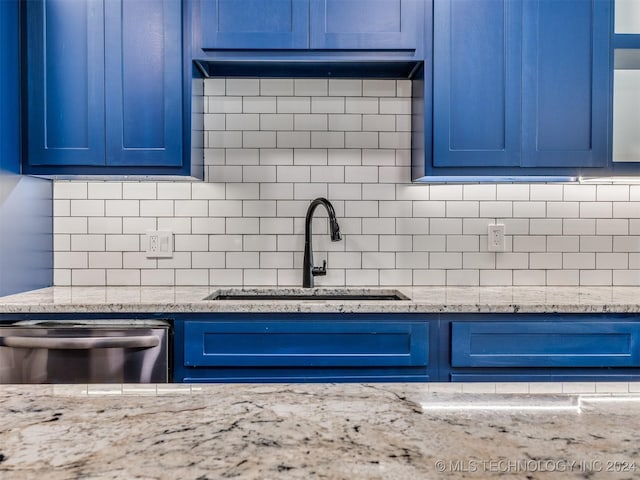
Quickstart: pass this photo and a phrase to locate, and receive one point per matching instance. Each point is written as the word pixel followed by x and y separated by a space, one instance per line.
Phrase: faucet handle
pixel 315 271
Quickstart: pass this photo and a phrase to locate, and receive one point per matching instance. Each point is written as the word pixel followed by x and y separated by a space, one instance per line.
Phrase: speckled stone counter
pixel 421 299
pixel 328 431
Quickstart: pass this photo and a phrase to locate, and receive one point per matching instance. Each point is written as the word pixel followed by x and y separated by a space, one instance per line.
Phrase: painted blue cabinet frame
pixel 143 78
pixel 304 347
pixel 309 38
pixel 365 24
pixel 108 88
pixel 65 83
pixel 310 24
pixel 254 24
pixel 540 347
pixel 520 88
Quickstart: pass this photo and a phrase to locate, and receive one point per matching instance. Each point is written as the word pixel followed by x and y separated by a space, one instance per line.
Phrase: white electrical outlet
pixel 496 238
pixel 159 244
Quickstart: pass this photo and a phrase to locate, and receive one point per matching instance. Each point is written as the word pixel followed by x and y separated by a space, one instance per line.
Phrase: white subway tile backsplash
pixel 138 191
pixel 549 192
pixel 293 104
pixel 243 86
pixel 327 139
pixel 104 190
pixel 157 277
pixel 601 243
pixel 293 140
pixel 137 260
pixel 69 260
pixel 327 105
pixel 379 88
pixel 376 191
pixel 345 87
pixel 88 277
pixel 272 145
pixel 311 86
pixel 112 225
pixel 224 104
pixel 361 139
pixel 612 226
pixel 215 86
pixel 191 276
pixel 596 277
pixel 241 225
pixel 399 106
pixel 379 158
pixel 87 243
pixel 105 260
pixel 378 226
pixel 362 105
pixel 562 209
pixel 191 208
pixel 618 193
pixel 173 190
pixel 123 277
pixel 276 87
pixel 70 225
pixel 70 190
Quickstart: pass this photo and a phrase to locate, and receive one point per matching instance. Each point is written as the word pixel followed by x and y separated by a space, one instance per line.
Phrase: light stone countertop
pixel 421 299
pixel 315 431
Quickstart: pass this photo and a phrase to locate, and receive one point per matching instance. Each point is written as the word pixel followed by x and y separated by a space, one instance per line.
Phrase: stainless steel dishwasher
pixel 92 351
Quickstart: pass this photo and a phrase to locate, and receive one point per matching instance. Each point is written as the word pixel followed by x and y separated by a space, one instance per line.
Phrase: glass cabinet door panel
pixel 627 16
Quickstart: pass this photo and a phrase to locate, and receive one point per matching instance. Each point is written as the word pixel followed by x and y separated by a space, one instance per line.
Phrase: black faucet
pixel 308 270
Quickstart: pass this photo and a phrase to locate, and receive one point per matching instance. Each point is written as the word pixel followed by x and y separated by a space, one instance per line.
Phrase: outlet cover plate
pixel 495 242
pixel 159 244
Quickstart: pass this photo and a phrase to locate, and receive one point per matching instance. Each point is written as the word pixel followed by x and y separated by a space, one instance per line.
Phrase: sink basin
pixel 312 294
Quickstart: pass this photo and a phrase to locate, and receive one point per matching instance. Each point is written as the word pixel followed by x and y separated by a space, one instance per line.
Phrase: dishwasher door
pixel 84 352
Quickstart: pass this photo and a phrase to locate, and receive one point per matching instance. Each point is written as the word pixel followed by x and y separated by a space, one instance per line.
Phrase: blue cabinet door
pixel 522 84
pixel 254 24
pixel 65 62
pixel 366 24
pixel 476 89
pixel 143 59
pixel 565 47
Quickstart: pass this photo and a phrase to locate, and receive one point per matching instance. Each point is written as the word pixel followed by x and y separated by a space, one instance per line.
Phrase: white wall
pixel 272 145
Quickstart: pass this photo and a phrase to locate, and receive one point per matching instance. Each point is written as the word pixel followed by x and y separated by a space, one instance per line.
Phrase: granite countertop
pixel 421 299
pixel 324 431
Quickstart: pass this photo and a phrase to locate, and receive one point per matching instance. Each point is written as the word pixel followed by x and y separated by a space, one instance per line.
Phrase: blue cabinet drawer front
pixel 274 344
pixel 545 344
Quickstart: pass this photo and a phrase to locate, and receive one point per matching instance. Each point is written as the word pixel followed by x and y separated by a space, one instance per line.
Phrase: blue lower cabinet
pixel 291 348
pixel 543 347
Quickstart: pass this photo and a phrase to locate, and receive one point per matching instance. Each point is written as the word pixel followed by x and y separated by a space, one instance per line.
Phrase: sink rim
pixel 243 294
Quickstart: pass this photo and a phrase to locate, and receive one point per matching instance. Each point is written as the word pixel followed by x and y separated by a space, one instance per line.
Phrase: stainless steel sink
pixel 309 294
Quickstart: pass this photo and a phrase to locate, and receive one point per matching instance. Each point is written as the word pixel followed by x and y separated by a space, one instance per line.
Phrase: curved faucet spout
pixel 308 270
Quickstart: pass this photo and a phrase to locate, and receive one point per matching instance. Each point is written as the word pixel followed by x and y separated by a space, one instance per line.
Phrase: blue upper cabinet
pixel 293 28
pixel 477 83
pixel 143 58
pixel 365 24
pixel 105 87
pixel 565 83
pixel 65 82
pixel 520 88
pixel 254 24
